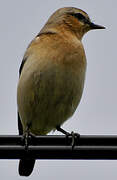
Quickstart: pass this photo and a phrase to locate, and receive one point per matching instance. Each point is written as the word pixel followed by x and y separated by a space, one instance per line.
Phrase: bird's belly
pixel 49 99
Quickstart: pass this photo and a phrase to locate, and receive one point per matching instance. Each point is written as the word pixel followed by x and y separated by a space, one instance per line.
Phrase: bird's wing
pixel 20 128
pixel 25 165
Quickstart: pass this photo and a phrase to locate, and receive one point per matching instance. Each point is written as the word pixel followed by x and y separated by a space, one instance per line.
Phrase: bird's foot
pixel 26 140
pixel 75 136
pixel 27 136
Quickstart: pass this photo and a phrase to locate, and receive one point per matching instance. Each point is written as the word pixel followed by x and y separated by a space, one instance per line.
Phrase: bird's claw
pixel 26 139
pixel 75 136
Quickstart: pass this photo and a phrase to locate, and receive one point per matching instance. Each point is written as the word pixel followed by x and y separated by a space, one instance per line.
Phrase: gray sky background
pixel 20 21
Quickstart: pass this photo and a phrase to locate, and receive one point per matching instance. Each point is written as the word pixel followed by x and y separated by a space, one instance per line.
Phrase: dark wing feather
pixel 22 65
pixel 20 128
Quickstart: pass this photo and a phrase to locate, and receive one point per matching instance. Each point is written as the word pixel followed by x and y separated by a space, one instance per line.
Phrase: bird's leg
pixel 58 128
pixel 74 135
pixel 27 137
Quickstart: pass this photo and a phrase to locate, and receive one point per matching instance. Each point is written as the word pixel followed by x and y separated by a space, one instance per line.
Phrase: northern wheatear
pixel 52 75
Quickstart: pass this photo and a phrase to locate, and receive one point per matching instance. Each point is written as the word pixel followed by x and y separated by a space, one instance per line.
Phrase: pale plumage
pixel 53 73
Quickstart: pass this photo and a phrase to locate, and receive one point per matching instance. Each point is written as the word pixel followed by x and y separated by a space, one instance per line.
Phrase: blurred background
pixel 20 22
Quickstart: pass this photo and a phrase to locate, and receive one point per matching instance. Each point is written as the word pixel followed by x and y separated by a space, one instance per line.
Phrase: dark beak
pixel 95 26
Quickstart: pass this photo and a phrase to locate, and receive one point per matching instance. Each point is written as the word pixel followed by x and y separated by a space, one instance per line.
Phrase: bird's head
pixel 75 20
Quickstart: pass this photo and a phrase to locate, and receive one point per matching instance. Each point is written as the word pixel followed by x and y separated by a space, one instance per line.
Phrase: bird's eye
pixel 79 16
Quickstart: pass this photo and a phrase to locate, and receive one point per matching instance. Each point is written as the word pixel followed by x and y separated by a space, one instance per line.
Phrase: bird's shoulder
pixel 58 47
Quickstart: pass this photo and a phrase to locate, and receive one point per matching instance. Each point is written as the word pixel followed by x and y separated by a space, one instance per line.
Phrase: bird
pixel 52 76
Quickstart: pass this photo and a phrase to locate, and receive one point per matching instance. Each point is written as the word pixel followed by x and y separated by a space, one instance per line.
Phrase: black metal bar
pixel 59 147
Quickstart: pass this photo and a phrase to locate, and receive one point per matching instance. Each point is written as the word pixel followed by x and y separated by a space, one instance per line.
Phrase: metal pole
pixel 59 147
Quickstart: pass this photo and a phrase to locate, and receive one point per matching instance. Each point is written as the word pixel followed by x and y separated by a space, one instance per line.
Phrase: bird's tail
pixel 26 166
